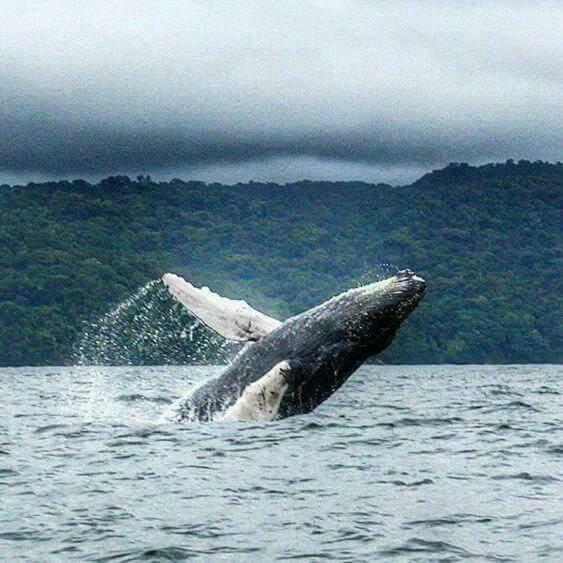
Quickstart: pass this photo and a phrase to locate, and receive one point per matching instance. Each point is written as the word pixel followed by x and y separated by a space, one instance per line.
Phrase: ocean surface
pixel 403 463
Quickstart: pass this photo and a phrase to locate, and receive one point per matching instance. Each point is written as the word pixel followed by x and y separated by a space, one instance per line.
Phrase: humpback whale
pixel 289 368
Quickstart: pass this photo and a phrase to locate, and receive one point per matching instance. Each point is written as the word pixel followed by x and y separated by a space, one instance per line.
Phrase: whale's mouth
pixel 411 286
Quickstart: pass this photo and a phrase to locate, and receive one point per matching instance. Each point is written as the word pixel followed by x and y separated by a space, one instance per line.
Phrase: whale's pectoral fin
pixel 232 319
pixel 261 399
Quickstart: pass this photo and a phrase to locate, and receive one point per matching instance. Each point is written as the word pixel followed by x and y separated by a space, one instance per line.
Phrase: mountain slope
pixel 487 239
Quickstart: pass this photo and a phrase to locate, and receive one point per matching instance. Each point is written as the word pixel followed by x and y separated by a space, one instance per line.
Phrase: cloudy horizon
pixel 217 91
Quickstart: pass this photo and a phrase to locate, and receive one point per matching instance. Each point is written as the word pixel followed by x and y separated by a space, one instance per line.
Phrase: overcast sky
pixel 276 90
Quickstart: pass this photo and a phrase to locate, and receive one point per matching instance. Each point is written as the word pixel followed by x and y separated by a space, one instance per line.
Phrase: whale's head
pixel 332 340
pixel 366 318
pixel 374 312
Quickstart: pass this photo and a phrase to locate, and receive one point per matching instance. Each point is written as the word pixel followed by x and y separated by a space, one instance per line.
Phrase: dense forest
pixel 487 240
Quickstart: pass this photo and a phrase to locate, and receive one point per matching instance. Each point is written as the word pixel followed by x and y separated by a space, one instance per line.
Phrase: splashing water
pixel 375 272
pixel 150 328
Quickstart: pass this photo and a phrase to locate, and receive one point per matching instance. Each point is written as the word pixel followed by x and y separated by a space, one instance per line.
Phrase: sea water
pixel 410 463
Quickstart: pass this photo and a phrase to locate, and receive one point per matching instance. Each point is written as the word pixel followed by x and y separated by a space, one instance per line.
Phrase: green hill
pixel 487 240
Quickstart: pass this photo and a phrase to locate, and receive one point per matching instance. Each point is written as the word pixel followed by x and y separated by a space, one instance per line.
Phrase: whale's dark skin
pixel 323 347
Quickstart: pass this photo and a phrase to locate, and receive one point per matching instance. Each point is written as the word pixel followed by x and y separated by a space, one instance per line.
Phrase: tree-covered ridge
pixel 487 239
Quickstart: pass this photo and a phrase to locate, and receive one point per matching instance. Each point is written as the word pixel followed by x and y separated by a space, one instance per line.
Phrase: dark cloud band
pixel 180 85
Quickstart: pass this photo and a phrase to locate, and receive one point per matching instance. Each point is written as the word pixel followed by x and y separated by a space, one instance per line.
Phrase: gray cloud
pixel 275 88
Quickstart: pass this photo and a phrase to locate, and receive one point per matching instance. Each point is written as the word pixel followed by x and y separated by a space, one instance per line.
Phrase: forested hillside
pixel 487 240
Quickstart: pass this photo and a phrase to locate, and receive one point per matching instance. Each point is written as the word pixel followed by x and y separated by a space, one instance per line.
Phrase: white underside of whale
pixel 261 399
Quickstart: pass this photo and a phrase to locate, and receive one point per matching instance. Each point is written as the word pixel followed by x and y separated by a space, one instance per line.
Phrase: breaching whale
pixel 290 367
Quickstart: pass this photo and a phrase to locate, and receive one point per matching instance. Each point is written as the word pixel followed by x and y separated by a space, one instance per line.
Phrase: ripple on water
pixel 524 475
pixel 404 462
pixel 420 545
pixel 132 397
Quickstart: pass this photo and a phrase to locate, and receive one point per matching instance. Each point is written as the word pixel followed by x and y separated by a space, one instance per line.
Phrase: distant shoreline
pixel 487 240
